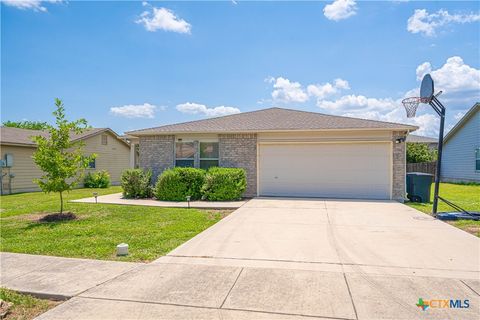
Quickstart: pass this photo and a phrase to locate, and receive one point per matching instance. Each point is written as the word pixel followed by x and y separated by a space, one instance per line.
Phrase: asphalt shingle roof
pixel 10 135
pixel 272 119
pixel 420 139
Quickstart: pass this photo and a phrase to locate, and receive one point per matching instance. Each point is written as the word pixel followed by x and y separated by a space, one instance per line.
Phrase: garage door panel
pixel 347 170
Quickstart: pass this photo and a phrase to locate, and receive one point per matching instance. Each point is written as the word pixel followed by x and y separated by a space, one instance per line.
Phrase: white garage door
pixel 336 170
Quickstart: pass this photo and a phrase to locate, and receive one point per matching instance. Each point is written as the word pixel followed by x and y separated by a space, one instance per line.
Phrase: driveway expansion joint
pixel 351 296
pixel 478 294
pixel 231 288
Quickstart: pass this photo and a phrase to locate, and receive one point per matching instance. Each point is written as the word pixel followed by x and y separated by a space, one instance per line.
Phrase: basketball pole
pixel 440 109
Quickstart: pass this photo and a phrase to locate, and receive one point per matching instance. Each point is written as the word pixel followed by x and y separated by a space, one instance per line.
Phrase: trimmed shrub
pixel 178 183
pixel 224 184
pixel 136 183
pixel 99 179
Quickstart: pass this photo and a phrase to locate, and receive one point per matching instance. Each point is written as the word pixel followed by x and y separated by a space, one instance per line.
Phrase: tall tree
pixel 32 125
pixel 60 158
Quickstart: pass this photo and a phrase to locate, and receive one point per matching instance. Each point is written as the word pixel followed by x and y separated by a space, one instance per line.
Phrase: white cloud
pixel 196 108
pixel 455 76
pixel 287 91
pixel 423 69
pixel 340 9
pixel 145 110
pixel 164 19
pixel 358 103
pixel 321 91
pixel 35 5
pixel 427 23
pixel 459 81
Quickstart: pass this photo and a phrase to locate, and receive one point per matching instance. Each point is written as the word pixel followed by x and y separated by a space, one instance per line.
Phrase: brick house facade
pixel 244 150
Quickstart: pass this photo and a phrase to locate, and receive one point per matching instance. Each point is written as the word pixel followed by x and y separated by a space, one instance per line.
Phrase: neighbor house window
pixel 477 159
pixel 184 154
pixel 104 139
pixel 91 164
pixel 208 154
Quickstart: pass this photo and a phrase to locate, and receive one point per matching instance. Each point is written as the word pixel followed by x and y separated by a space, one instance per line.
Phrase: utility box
pixel 419 186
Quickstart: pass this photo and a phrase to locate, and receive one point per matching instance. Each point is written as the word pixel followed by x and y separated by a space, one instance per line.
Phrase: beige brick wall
pixel 157 153
pixel 399 162
pixel 240 151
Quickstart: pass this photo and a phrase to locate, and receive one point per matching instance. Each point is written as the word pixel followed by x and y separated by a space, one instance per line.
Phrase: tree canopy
pixel 32 125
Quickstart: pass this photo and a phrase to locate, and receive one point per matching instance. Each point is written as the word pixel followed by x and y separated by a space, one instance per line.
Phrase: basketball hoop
pixel 411 105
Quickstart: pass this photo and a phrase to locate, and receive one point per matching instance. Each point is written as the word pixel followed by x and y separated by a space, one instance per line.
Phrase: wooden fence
pixel 426 167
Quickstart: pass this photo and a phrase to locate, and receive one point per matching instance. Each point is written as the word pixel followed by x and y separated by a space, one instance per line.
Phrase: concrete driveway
pixel 291 258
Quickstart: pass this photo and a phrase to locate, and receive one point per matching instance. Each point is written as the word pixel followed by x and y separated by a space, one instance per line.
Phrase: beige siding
pixel 321 136
pixel 23 168
pixel 113 157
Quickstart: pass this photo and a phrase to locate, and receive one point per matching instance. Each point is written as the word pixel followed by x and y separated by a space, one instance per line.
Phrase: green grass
pixel 150 231
pixel 24 306
pixel 464 195
pixel 37 202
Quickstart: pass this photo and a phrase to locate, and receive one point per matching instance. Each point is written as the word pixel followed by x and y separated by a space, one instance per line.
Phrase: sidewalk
pixel 116 198
pixel 54 277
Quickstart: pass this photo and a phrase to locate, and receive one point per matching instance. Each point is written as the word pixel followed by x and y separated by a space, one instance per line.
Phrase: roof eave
pixel 462 121
pixel 17 144
pixel 154 133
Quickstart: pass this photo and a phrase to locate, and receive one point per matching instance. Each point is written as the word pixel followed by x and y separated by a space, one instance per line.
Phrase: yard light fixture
pixel 95 194
pixel 188 201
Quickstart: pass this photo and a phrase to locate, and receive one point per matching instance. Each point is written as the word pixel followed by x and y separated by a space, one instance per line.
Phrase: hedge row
pixel 216 184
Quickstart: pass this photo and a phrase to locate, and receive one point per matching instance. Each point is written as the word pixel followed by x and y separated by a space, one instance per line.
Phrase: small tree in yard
pixel 59 157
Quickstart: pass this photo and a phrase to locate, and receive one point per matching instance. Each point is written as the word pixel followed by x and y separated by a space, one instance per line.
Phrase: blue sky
pixel 130 65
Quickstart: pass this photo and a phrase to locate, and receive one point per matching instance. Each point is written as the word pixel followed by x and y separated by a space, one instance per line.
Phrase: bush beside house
pixel 100 179
pixel 216 184
pixel 178 183
pixel 136 183
pixel 223 184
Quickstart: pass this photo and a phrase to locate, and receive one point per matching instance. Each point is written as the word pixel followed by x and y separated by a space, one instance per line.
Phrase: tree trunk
pixel 61 203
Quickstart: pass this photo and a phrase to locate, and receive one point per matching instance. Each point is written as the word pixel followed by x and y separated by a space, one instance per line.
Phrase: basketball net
pixel 411 105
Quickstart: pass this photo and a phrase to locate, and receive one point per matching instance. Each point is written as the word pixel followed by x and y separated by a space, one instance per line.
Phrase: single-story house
pixel 461 149
pixel 287 152
pixel 17 148
pixel 432 143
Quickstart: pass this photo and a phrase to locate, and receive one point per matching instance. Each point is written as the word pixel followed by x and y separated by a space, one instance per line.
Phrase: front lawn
pixel 24 307
pixel 466 196
pixel 149 231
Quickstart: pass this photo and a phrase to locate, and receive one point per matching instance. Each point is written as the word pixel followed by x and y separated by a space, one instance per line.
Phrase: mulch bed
pixel 55 217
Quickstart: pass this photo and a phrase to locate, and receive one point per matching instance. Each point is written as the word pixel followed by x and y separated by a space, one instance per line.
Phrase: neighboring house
pixel 431 142
pixel 113 155
pixel 287 152
pixel 461 149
